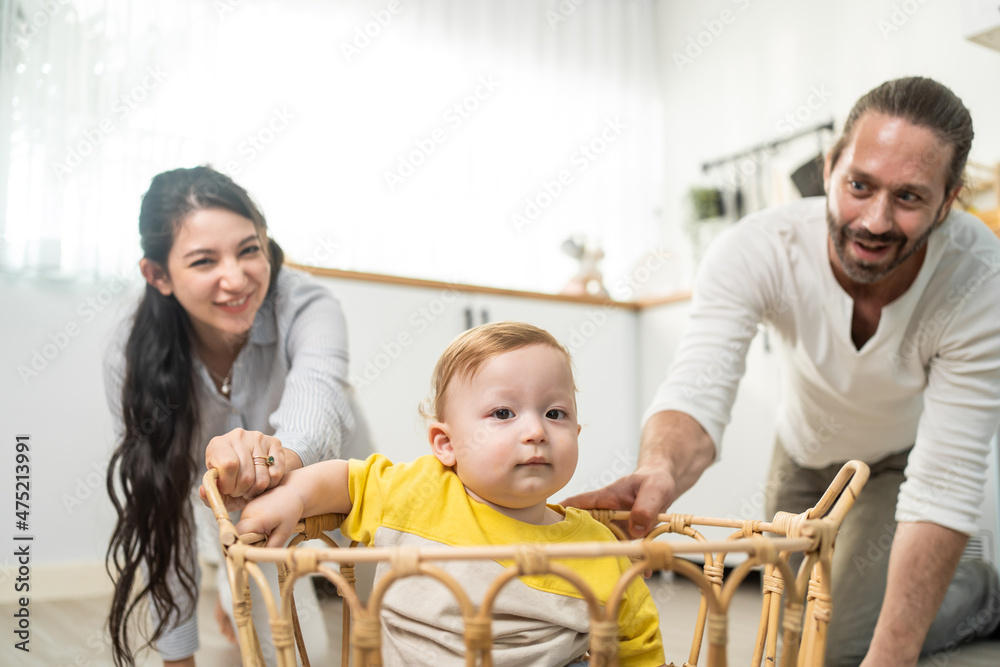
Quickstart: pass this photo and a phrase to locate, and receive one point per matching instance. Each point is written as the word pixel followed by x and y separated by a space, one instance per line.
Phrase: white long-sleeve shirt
pixel 289 381
pixel 929 378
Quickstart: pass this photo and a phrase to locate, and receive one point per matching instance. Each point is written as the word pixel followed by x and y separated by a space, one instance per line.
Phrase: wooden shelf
pixel 479 289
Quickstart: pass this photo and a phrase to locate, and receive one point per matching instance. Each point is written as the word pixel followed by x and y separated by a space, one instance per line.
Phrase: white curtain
pixel 87 127
pixel 458 140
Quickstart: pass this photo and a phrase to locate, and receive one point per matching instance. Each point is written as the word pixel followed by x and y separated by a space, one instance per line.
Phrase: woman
pixel 225 348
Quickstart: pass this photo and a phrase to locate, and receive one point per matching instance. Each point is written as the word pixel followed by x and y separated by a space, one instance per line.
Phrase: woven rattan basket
pixel 806 594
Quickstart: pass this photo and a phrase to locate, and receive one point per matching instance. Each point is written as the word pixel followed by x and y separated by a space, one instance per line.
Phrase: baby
pixel 503 438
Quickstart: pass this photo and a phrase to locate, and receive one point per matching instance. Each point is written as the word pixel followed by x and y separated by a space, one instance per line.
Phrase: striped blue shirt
pixel 289 381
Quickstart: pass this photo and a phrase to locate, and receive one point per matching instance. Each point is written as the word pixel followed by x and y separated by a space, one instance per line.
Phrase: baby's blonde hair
pixel 470 350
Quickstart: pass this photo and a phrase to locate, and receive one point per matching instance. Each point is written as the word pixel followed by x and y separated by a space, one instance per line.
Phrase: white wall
pixel 51 388
pixel 770 57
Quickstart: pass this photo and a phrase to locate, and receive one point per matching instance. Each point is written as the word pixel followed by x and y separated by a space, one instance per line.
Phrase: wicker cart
pixel 805 594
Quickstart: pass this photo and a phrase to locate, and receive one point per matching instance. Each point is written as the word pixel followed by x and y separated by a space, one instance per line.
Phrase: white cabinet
pixel 397 332
pixel 660 331
pixel 734 486
pixel 395 335
pixel 620 356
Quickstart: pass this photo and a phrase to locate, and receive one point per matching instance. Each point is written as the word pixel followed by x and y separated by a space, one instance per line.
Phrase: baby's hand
pixel 274 513
pixel 320 488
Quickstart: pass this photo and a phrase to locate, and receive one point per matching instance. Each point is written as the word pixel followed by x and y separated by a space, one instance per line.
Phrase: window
pixel 452 140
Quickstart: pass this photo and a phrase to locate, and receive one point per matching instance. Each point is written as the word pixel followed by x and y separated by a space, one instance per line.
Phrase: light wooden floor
pixel 69 634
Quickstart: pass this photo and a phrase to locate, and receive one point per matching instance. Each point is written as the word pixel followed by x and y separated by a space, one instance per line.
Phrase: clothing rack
pixel 767 145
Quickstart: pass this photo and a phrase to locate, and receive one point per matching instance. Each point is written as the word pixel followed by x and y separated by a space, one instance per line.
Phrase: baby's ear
pixel 441 447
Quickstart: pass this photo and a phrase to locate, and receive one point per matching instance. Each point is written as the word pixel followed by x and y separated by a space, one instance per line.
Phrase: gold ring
pixel 263 461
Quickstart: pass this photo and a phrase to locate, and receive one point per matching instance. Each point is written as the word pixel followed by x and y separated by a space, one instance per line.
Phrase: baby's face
pixel 513 427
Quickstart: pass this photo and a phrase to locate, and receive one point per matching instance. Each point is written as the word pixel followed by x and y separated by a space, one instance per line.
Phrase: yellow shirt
pixel 537 620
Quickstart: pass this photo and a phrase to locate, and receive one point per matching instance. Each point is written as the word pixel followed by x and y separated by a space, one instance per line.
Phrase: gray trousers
pixel 971 607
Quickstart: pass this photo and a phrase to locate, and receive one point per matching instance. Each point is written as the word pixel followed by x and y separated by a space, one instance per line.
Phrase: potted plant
pixel 707 217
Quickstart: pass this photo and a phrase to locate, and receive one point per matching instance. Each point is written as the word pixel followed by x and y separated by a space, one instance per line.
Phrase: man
pixel 888 316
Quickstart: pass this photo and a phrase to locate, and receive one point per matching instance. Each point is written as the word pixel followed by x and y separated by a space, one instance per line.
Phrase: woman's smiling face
pixel 219 272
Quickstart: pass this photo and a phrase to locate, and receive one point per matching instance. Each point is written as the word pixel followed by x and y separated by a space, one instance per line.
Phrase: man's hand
pixel 646 492
pixel 675 450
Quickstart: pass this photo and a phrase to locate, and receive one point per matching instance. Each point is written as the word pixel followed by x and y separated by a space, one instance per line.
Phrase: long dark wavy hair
pixel 153 468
